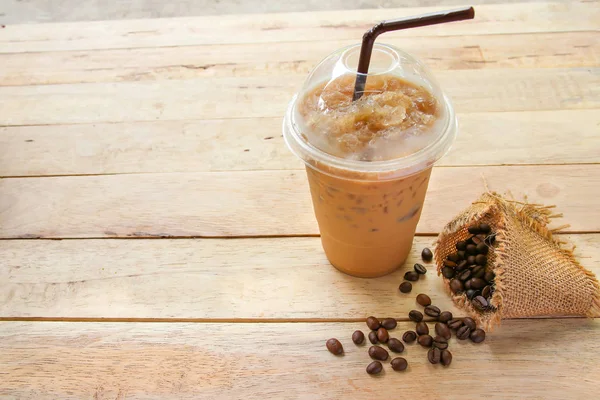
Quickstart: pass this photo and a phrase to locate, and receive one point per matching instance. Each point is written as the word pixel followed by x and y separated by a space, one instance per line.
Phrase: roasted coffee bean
pixel 487 292
pixel 411 276
pixel 461 245
pixel 474 229
pixel 477 283
pixel 489 276
pixel 482 248
pixel 405 287
pixel 478 271
pixel 453 257
pixel 409 336
pixel 389 323
pixel 456 285
pixel 478 336
pixel 472 293
pixel 378 353
pixel 480 259
pixel 490 239
pixel 423 300
pixel 471 249
pixel 395 345
pixel 415 315
pixel 334 346
pixel 432 311
pixel 462 254
pixel 463 332
pixel 434 355
pixel 455 323
pixel 480 303
pixel 374 368
pixel 399 364
pixel 464 275
pixel 461 266
pixel 468 285
pixel 448 263
pixel 422 328
pixel 373 337
pixel 445 316
pixel 440 342
pixel 420 269
pixel 373 323
pixel 425 340
pixel 426 254
pixel 485 228
pixel 471 260
pixel 446 358
pixel 442 330
pixel 358 337
pixel 448 272
pixel 383 335
pixel 468 321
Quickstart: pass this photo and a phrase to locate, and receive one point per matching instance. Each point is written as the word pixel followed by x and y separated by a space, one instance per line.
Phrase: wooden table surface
pixel 190 264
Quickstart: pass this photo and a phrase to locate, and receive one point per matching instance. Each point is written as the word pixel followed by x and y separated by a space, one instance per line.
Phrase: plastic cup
pixel 368 211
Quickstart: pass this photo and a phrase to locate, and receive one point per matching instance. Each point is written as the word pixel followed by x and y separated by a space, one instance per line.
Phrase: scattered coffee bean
pixel 472 293
pixel 461 266
pixel 489 276
pixel 423 300
pixel 383 335
pixel 405 287
pixel 395 345
pixel 389 323
pixel 462 254
pixel 464 275
pixel 480 303
pixel 442 330
pixel 373 337
pixel 467 285
pixel 448 263
pixel 446 358
pixel 468 321
pixel 409 336
pixel 487 292
pixel 461 245
pixel 440 342
pixel 378 353
pixel 478 271
pixel 426 255
pixel 425 340
pixel 415 315
pixel 480 259
pixel 373 323
pixel 374 368
pixel 471 249
pixel 434 355
pixel 445 316
pixel 453 257
pixel 474 229
pixel 456 285
pixel 399 364
pixel 463 332
pixel 478 336
pixel 485 228
pixel 358 337
pixel 455 323
pixel 448 272
pixel 432 311
pixel 420 269
pixel 471 260
pixel 422 328
pixel 411 276
pixel 334 346
pixel 482 248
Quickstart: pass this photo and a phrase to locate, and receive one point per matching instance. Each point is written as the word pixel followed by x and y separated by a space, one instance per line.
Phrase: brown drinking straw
pixel 395 25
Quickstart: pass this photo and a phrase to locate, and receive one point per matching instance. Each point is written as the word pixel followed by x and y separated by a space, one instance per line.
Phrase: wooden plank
pixel 224 279
pixel 258 202
pixel 263 96
pixel 258 361
pixel 289 27
pixel 244 144
pixel 537 50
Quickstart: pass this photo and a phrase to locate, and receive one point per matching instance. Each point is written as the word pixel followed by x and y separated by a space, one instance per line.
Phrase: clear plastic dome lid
pixel 401 124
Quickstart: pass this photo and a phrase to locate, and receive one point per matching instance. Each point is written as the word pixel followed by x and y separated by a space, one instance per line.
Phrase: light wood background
pixel 126 272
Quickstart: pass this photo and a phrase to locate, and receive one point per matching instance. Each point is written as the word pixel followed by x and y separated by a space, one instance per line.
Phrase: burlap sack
pixel 536 275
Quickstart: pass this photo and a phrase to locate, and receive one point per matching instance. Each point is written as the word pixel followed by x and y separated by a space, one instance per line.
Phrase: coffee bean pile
pixel 468 270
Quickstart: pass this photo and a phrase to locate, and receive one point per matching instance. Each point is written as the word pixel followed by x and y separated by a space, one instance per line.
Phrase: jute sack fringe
pixel 536 274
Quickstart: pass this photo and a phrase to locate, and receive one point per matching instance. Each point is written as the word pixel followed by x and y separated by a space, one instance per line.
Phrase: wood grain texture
pixel 258 202
pixel 531 50
pixel 263 96
pixel 258 361
pixel 224 279
pixel 289 27
pixel 257 144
